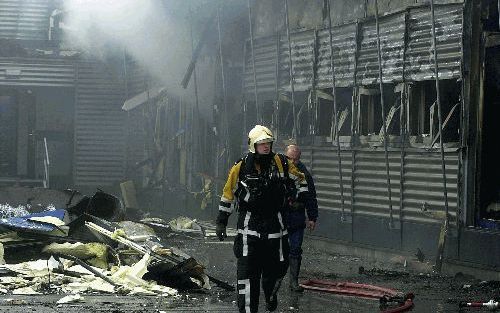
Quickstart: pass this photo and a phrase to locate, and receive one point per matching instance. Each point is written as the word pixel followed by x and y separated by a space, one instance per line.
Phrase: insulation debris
pixel 184 224
pixel 70 299
pixel 94 253
pixel 86 253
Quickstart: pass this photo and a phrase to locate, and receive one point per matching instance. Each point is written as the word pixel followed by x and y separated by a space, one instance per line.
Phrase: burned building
pixel 376 160
pixel 390 191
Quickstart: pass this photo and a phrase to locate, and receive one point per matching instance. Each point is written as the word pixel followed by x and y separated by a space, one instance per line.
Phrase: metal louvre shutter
pixel 326 178
pixel 419 56
pixel 410 29
pixel 265 65
pixel 422 182
pixel 392 42
pixel 370 183
pixel 36 72
pixel 99 127
pixel 27 19
pixel 344 52
pixel 302 44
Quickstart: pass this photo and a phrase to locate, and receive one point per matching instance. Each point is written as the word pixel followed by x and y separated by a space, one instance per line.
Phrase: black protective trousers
pixel 259 259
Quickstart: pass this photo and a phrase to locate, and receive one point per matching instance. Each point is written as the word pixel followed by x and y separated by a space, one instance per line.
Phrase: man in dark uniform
pixel 260 186
pixel 297 218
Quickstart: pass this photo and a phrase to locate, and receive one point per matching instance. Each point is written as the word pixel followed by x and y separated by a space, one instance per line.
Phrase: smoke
pixel 157 38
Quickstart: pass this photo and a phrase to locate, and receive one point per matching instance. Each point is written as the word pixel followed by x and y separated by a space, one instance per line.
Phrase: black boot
pixel 272 303
pixel 294 275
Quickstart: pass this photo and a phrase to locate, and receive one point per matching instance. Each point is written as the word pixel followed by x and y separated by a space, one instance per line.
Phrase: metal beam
pixel 335 114
pixel 203 39
pixel 257 111
pixel 290 66
pixel 384 125
pixel 439 259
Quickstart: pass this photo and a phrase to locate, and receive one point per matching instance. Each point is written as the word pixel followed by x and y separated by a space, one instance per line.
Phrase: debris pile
pixel 90 248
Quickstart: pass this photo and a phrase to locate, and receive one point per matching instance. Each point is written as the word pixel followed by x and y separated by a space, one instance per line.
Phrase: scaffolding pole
pixel 257 111
pixel 335 114
pixel 225 119
pixel 439 260
pixel 290 66
pixel 384 126
pixel 196 114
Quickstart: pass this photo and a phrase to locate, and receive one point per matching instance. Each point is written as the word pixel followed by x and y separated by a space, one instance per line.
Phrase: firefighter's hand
pixel 311 225
pixel 220 231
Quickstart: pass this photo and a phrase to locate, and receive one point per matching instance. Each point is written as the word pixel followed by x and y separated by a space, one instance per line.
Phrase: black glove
pixel 220 229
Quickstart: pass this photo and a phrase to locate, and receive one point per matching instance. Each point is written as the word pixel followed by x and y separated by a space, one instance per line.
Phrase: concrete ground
pixel 432 293
pixel 322 260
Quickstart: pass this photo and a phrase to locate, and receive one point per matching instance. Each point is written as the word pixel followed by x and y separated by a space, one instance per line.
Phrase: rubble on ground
pixel 90 248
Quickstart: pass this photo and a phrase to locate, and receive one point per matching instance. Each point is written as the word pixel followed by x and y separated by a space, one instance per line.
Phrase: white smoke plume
pixel 158 39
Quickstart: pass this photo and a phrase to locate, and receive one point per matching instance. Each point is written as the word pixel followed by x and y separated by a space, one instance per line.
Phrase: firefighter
pixel 260 186
pixel 297 218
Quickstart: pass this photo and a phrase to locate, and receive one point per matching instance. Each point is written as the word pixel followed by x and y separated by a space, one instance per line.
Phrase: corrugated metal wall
pixel 392 42
pixel 422 182
pixel 344 49
pixel 419 55
pixel 406 48
pixel 303 46
pixel 36 72
pixel 265 50
pixel 99 126
pixel 27 19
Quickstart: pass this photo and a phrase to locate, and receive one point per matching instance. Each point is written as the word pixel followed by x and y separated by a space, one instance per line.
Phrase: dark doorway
pixel 490 155
pixel 8 133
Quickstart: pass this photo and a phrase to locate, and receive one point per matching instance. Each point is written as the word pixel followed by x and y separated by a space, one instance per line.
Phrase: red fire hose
pixel 384 295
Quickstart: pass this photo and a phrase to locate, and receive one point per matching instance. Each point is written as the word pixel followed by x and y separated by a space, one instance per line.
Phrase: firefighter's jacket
pixel 262 197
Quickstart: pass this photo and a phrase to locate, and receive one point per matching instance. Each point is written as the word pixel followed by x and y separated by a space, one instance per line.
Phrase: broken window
pixel 324 115
pixel 369 114
pixel 369 110
pixel 423 123
pixel 8 133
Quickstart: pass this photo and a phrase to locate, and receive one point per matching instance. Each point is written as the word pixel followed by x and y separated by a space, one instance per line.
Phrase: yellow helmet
pixel 259 134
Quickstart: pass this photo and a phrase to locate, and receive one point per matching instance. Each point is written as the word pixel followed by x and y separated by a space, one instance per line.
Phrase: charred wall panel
pixel 392 42
pixel 370 183
pixel 28 19
pixel 302 44
pixel 406 51
pixel 423 186
pixel 419 56
pixel 99 126
pixel 36 72
pixel 422 183
pixel 324 164
pixel 344 54
pixel 265 50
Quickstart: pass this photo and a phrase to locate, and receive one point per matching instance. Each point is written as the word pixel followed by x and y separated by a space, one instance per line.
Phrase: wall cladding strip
pixel 36 72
